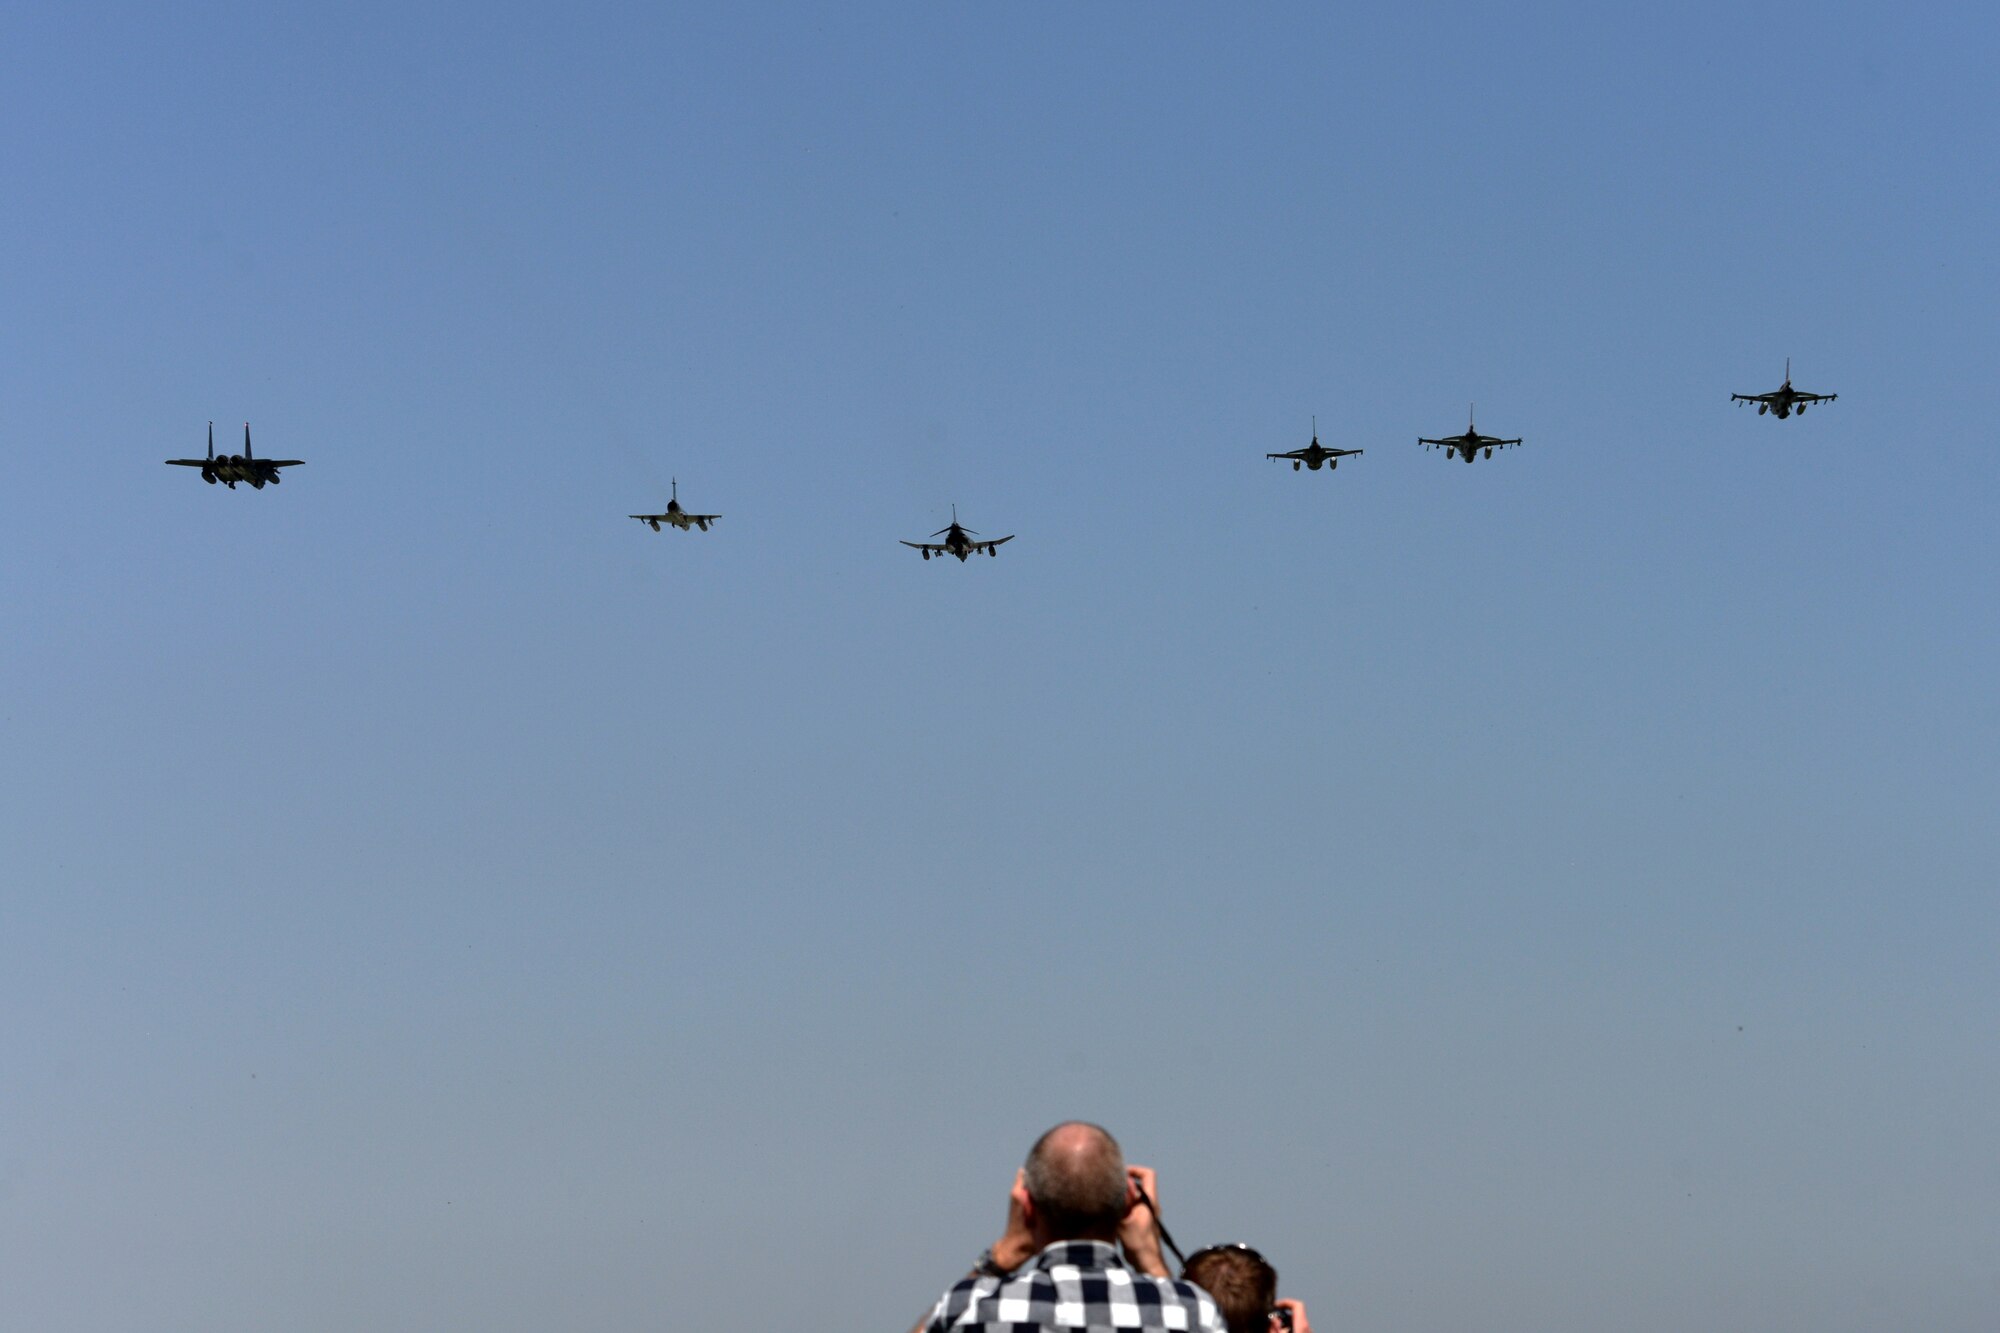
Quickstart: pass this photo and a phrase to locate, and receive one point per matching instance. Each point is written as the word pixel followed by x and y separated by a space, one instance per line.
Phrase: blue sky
pixel 1546 894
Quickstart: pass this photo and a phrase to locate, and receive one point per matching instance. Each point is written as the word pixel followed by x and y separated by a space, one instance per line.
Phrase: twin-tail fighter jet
pixel 676 515
pixel 1469 445
pixel 1315 455
pixel 232 468
pixel 1784 400
pixel 958 541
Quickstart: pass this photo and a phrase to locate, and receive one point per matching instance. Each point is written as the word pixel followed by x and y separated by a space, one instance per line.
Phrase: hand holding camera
pixel 1140 1232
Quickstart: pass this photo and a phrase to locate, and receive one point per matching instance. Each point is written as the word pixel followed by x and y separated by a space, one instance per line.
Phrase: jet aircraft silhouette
pixel 232 468
pixel 677 516
pixel 1315 454
pixel 958 541
pixel 1468 445
pixel 1784 400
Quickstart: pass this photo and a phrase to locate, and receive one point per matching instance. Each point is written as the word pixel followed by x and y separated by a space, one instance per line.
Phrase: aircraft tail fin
pixel 211 441
pixel 246 441
pixel 1788 370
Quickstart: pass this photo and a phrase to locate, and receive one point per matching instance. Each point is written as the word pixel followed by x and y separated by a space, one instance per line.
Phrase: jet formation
pixel 232 468
pixel 961 541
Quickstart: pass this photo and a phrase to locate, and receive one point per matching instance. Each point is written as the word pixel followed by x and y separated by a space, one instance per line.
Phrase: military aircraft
pixel 232 468
pixel 1315 454
pixel 1784 400
pixel 676 515
pixel 1468 445
pixel 958 541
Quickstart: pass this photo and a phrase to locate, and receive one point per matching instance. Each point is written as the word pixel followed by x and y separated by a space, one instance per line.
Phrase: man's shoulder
pixel 1202 1312
pixel 962 1296
pixel 1065 1297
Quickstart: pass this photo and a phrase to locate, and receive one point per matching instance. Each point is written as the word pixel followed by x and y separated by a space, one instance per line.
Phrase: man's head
pixel 1243 1284
pixel 1075 1184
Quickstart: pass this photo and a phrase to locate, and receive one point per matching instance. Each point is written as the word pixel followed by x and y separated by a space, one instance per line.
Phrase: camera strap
pixel 1166 1237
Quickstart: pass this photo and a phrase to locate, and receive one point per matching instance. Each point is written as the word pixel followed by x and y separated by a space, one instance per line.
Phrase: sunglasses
pixel 1233 1247
pixel 1282 1314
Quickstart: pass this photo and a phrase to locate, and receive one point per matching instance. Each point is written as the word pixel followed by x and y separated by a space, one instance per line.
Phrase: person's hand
pixel 1017 1243
pixel 1139 1233
pixel 1299 1321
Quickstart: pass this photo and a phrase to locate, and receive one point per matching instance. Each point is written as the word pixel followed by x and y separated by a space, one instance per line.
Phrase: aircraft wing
pixel 649 518
pixel 1814 397
pixel 1492 442
pixel 997 541
pixel 704 518
pixel 281 462
pixel 1751 397
pixel 1453 442
pixel 924 546
pixel 190 462
pixel 1343 453
pixel 1295 453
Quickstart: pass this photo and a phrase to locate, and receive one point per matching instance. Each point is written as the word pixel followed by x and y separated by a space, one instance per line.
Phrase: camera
pixel 1283 1314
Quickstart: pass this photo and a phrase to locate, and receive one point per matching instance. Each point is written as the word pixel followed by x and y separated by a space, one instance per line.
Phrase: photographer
pixel 1245 1287
pixel 1242 1281
pixel 1057 1264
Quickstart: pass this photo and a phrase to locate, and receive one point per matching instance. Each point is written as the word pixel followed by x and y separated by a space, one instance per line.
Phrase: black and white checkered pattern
pixel 1075 1284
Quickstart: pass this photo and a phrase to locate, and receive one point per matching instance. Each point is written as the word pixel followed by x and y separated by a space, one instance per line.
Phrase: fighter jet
pixel 232 468
pixel 958 541
pixel 1784 400
pixel 1469 445
pixel 677 516
pixel 1315 454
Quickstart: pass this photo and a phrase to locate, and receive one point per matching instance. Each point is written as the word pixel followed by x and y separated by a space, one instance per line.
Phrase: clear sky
pixel 1553 894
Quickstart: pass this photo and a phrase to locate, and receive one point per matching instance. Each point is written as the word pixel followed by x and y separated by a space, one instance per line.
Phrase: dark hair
pixel 1242 1281
pixel 1076 1177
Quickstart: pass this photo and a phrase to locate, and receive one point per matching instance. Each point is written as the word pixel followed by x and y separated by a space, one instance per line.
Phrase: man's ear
pixel 1020 1196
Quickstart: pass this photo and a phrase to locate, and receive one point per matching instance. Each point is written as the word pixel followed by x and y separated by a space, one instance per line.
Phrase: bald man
pixel 1057 1265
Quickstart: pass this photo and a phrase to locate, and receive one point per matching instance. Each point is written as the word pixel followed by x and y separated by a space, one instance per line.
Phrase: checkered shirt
pixel 1075 1284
